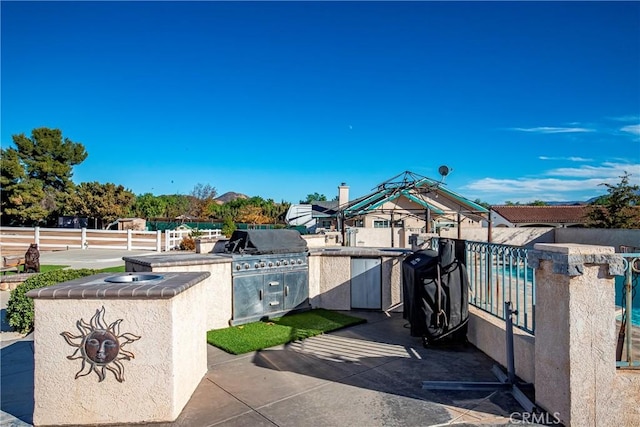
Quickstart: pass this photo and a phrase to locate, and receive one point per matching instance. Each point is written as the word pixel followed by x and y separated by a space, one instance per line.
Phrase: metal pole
pixel 392 229
pixel 511 370
pixel 628 312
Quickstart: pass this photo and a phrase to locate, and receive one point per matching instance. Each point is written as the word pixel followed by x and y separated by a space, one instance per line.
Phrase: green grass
pixel 45 268
pixel 258 335
pixel 119 269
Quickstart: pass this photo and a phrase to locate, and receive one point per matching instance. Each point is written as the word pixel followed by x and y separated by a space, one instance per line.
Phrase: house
pixel 317 217
pixel 406 204
pixel 539 216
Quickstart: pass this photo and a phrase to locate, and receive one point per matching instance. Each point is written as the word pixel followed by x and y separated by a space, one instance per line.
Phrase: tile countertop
pixel 148 286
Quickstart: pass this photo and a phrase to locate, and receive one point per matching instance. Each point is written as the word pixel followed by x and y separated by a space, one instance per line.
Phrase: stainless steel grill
pixel 270 274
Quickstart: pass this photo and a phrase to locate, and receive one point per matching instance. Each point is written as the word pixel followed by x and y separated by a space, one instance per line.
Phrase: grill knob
pixel 285 262
pixel 277 263
pixel 299 261
pixel 246 266
pixel 257 265
pixel 270 264
pixel 262 264
pixel 238 267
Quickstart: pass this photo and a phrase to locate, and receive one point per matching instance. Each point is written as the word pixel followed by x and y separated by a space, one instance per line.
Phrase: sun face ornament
pixel 100 347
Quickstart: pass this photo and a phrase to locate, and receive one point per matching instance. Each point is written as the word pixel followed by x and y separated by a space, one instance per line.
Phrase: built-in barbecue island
pixel 268 273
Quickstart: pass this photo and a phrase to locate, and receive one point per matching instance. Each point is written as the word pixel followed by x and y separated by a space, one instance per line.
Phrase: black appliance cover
pixel 435 291
pixel 266 242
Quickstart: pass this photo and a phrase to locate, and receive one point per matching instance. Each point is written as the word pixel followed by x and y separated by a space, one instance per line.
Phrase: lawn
pixel 45 268
pixel 258 335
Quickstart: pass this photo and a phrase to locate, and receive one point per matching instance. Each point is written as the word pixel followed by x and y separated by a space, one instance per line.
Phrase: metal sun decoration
pixel 100 346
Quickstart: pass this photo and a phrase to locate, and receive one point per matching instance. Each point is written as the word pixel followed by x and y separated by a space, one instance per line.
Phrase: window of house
pixel 381 224
pixel 325 223
pixel 358 223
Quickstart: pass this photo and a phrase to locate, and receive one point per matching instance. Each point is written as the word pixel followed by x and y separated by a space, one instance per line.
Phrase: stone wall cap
pixel 95 287
pixel 574 248
pixel 179 260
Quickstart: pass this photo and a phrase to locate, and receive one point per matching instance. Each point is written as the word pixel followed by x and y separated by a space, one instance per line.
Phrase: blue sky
pixel 523 101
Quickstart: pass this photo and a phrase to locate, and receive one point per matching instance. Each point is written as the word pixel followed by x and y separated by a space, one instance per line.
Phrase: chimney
pixel 343 194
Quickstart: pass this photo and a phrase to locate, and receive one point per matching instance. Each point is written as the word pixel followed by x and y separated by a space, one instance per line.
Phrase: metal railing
pixel 628 320
pixel 500 273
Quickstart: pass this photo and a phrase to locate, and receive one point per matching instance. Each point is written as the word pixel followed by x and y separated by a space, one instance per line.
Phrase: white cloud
pixel 571 159
pixel 550 129
pixel 604 171
pixel 561 184
pixel 627 118
pixel 632 129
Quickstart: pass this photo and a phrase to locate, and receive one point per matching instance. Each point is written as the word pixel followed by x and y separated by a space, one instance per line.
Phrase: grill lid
pixel 266 242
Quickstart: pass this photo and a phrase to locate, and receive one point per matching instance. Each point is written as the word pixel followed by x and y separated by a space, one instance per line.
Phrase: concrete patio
pixel 365 375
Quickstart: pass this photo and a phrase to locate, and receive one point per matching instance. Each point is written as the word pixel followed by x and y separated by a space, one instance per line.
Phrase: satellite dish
pixel 444 170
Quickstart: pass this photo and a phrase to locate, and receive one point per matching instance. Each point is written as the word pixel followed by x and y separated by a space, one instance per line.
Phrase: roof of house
pixel 543 214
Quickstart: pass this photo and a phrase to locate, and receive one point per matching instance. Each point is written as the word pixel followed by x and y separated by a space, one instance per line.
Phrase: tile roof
pixel 543 214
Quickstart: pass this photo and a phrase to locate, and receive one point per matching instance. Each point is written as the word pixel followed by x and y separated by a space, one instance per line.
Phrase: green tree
pixel 481 203
pixel 103 202
pixel 620 208
pixel 228 226
pixel 315 197
pixel 176 205
pixel 49 158
pixel 200 198
pixel 537 203
pixel 149 206
pixel 36 176
pixel 26 203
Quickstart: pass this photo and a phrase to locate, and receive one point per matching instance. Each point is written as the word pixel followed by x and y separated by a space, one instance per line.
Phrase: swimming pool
pixel 635 313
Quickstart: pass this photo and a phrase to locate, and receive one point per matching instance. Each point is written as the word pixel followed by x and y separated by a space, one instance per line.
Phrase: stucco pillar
pixel 575 331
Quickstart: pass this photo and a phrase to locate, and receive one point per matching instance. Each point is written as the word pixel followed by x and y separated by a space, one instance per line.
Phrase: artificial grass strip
pixel 259 335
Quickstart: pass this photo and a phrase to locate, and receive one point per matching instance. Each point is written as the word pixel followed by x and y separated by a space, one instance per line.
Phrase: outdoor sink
pixel 133 277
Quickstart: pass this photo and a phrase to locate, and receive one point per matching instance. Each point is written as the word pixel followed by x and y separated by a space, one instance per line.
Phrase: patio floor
pixel 365 375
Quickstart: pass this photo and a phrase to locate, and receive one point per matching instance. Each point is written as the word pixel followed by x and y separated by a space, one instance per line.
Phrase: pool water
pixel 635 314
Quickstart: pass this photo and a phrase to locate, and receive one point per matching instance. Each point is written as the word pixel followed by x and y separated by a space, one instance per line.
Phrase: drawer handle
pixel 260 294
pixel 274 283
pixel 286 291
pixel 274 303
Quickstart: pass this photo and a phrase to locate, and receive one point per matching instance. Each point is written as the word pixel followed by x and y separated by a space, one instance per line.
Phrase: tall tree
pixel 252 214
pixel 315 197
pixel 48 157
pixel 149 206
pixel 176 205
pixel 36 176
pixel 202 196
pixel 103 202
pixel 620 208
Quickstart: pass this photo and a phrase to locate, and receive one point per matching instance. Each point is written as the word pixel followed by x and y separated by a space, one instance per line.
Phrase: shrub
pixel 188 244
pixel 20 313
pixel 228 226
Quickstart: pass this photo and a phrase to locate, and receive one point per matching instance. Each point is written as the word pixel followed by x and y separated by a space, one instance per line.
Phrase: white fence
pixel 19 238
pixel 174 237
